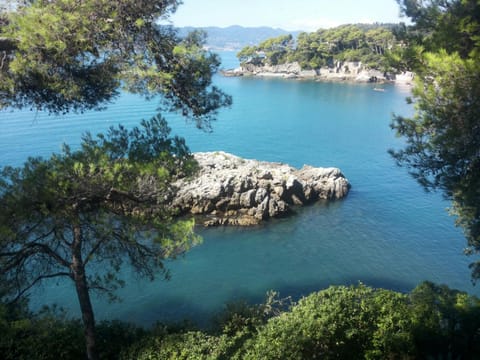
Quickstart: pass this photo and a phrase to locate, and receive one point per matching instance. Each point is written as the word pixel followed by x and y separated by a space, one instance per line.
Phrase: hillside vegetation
pixel 363 43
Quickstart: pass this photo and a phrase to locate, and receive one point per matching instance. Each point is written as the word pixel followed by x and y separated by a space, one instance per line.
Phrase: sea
pixel 388 232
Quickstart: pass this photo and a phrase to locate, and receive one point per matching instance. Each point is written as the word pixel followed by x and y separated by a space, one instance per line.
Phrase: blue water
pixel 388 232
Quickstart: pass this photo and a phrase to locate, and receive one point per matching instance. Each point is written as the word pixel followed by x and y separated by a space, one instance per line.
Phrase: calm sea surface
pixel 388 232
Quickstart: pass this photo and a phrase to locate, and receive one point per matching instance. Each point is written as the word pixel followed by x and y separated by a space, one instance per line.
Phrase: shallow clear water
pixel 388 232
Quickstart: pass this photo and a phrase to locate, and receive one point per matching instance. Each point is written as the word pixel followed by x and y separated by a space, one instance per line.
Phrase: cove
pixel 387 232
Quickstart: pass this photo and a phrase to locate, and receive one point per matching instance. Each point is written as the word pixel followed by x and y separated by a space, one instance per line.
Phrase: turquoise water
pixel 388 232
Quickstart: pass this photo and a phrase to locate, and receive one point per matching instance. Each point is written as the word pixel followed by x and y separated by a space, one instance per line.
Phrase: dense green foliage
pixel 273 51
pixel 364 43
pixel 356 322
pixel 67 55
pixel 443 137
pixel 50 335
pixel 339 323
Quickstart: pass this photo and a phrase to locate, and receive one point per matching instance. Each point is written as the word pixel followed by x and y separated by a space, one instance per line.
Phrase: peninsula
pixel 229 190
pixel 353 53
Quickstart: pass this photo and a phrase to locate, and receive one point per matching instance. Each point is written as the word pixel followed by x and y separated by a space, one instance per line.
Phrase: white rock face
pixel 229 190
pixel 405 78
pixel 341 71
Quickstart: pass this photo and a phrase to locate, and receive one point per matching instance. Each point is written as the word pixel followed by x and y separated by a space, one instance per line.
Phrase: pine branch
pixel 34 282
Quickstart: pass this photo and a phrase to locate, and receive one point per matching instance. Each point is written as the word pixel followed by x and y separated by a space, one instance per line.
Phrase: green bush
pixel 51 335
pixel 447 322
pixel 338 323
pixel 356 322
pixel 45 336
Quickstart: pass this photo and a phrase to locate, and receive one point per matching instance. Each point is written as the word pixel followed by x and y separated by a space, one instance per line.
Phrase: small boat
pixel 379 89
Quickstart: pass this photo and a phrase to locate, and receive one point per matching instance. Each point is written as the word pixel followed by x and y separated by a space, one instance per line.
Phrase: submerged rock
pixel 229 190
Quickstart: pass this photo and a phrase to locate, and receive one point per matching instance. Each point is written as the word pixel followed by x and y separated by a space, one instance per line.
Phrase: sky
pixel 306 15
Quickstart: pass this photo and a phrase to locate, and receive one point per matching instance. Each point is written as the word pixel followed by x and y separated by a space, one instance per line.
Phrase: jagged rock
pixel 260 194
pixel 229 190
pixel 247 199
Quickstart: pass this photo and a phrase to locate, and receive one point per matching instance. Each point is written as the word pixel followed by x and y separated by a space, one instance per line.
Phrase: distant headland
pixel 353 53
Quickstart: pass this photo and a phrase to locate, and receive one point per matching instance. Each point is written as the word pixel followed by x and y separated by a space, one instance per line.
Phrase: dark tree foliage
pixel 50 335
pixel 66 55
pixel 446 322
pixel 452 25
pixel 442 148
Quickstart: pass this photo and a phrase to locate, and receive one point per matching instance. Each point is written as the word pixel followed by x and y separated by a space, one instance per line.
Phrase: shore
pixel 354 72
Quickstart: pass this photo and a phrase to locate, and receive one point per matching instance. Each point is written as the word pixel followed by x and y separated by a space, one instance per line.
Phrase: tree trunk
pixel 79 277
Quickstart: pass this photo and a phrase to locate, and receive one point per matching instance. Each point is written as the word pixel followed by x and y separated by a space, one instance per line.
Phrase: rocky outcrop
pixel 229 190
pixel 341 71
pixel 405 78
pixel 283 70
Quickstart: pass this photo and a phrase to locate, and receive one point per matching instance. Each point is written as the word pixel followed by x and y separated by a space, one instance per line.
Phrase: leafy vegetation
pixel 66 55
pixel 363 43
pixel 356 322
pixel 94 208
pixel 50 335
pixel 443 137
pixel 104 204
pixel 273 50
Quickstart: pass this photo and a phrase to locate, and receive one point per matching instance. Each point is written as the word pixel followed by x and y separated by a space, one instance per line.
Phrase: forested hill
pixel 367 43
pixel 236 37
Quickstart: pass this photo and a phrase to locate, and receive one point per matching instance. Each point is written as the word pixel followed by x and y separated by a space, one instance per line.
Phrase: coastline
pixel 352 72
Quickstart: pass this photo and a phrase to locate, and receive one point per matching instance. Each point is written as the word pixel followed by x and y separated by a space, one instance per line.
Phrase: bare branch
pixel 94 249
pixel 29 250
pixel 38 279
pixel 60 235
pixel 2 61
pixel 48 251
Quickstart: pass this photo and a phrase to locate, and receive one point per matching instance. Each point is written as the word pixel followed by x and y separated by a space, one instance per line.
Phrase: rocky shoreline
pixel 229 190
pixel 340 72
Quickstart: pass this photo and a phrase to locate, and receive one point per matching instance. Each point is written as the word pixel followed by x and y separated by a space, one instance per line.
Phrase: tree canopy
pixel 357 42
pixel 106 203
pixel 442 148
pixel 81 214
pixel 66 55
